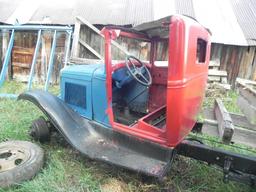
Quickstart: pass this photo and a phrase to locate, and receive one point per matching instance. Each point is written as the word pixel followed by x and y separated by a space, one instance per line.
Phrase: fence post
pixel 34 59
pixel 50 66
pixel 6 59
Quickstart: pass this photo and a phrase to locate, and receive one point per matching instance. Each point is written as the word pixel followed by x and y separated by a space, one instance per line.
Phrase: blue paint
pixel 129 90
pixel 34 27
pixel 67 47
pixel 92 77
pixel 50 66
pixel 6 59
pixel 34 60
pixel 122 77
pixel 9 96
pixel 99 96
pixel 79 75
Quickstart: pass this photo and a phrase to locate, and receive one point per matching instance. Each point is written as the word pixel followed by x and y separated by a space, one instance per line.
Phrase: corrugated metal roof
pixel 162 8
pixel 231 21
pixel 23 11
pixel 7 8
pixel 185 7
pixel 245 12
pixel 118 12
pixel 219 17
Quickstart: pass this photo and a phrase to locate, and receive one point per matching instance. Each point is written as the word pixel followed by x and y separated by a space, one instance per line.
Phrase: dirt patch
pixel 114 185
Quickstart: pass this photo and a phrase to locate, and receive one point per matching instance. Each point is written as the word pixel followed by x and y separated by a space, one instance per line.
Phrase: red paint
pixel 178 90
pixel 122 64
pixel 157 91
pixel 135 36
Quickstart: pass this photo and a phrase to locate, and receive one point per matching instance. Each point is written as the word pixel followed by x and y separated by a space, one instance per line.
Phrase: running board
pixel 102 143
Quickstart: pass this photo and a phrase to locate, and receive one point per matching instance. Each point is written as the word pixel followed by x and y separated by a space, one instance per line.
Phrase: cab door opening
pixel 133 100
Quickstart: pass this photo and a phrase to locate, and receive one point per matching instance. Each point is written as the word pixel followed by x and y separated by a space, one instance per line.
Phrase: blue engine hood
pixel 83 72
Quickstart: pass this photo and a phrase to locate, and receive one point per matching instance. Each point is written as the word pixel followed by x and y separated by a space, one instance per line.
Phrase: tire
pixel 19 161
pixel 40 130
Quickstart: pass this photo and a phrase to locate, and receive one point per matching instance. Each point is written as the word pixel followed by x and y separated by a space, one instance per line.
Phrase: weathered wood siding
pixel 4 43
pixel 133 46
pixel 43 58
pixel 93 39
pixel 238 61
pixel 23 51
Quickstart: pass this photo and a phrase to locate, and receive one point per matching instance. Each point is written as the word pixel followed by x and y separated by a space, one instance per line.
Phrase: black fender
pixel 69 123
pixel 99 142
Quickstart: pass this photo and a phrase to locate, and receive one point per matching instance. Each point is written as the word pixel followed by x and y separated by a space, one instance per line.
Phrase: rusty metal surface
pixel 235 166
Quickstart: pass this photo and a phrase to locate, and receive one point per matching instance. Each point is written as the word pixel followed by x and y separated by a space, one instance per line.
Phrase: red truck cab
pixel 133 111
pixel 176 91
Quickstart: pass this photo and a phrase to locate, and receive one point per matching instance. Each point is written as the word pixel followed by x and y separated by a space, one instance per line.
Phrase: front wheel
pixel 40 130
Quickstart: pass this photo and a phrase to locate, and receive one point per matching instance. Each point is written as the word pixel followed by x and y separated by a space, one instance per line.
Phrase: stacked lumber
pixel 217 76
pixel 247 98
pixel 229 127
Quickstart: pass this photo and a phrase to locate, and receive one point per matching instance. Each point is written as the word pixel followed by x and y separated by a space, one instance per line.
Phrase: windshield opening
pixel 135 47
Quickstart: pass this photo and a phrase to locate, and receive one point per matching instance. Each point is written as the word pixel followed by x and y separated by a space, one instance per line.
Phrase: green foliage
pixel 229 99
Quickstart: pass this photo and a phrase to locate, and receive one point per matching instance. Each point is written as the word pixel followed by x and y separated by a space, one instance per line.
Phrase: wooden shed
pixel 23 52
pixel 232 23
pixel 238 61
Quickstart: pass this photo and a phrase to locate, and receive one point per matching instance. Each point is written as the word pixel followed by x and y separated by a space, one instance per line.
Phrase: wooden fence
pixel 238 61
pixel 23 51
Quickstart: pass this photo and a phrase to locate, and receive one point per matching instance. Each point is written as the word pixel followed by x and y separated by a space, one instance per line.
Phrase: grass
pixel 66 169
pixel 229 99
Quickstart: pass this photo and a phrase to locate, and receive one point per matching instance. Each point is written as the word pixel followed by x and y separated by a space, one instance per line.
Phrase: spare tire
pixel 19 161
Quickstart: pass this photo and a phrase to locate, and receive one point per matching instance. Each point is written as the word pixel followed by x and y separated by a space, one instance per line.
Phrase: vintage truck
pixel 136 112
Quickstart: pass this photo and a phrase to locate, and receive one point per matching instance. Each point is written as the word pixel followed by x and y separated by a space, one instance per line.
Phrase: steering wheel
pixel 137 72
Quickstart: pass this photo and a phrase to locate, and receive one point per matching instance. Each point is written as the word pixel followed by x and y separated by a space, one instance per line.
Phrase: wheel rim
pixel 11 158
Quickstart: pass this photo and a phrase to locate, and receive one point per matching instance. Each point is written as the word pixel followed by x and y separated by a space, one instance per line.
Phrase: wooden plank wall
pixel 21 61
pixel 95 41
pixel 247 64
pixel 92 39
pixel 23 52
pixel 4 43
pixel 238 61
pixel 58 57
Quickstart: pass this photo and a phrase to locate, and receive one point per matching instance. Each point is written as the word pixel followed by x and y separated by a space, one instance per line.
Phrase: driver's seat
pixel 121 77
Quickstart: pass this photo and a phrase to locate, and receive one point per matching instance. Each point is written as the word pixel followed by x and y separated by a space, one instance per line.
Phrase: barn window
pixel 201 50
